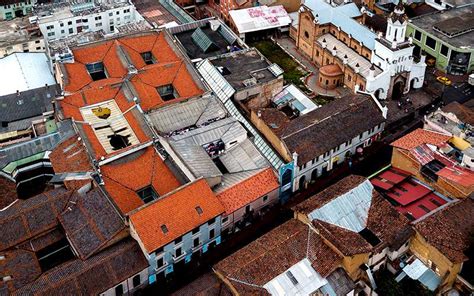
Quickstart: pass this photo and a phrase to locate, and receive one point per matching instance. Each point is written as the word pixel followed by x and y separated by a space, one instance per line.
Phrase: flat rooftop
pixel 16 31
pixel 454 26
pixel 409 196
pixel 244 68
pixel 63 10
pixel 205 39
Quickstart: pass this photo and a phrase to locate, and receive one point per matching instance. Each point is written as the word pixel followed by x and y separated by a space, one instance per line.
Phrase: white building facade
pixel 394 55
pixel 86 17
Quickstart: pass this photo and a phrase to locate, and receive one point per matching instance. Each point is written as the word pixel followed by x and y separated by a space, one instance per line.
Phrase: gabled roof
pixel 329 126
pixel 275 252
pixel 450 229
pixel 90 222
pixel 70 156
pixel 176 212
pixel 119 54
pixel 248 190
pixel 347 209
pixel 125 176
pixel 418 137
pixel 342 16
pixel 27 218
pixel 91 276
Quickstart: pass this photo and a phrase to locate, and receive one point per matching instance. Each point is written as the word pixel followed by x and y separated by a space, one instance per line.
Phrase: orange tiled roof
pixel 178 212
pixel 71 109
pixel 70 156
pixel 249 190
pixel 418 137
pixel 124 177
pixel 169 68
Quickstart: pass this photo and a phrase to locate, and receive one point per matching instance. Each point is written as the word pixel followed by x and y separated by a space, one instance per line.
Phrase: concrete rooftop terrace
pixel 243 65
pixel 453 20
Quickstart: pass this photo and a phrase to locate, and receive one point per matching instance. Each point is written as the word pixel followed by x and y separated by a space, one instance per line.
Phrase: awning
pixel 417 270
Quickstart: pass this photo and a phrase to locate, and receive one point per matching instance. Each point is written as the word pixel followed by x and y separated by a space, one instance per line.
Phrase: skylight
pixel 148 58
pixel 164 229
pixel 167 92
pixel 199 210
pixel 369 237
pixel 147 194
pixel 96 71
pixel 292 277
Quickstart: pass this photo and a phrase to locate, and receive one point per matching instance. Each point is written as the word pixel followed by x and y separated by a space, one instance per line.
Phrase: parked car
pixel 444 80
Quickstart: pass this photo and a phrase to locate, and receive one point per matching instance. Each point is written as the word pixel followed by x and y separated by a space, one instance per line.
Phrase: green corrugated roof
pixel 9 168
pixel 202 40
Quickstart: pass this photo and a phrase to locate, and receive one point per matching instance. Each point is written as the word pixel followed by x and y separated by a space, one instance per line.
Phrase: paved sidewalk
pixel 288 45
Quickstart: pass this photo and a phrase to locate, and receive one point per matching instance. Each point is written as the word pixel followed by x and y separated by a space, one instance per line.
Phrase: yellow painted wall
pixel 352 263
pixel 426 252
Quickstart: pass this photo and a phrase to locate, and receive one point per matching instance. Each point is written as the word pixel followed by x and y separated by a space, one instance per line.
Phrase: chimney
pixel 334 50
pixel 357 68
pixel 324 43
pixel 17 93
pixel 345 60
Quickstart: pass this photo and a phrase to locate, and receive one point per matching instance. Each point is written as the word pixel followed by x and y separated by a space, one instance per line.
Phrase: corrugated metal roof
pixel 202 40
pixel 343 16
pixel 300 279
pixel 218 84
pixel 185 114
pixel 350 210
pixel 24 71
pixel 417 270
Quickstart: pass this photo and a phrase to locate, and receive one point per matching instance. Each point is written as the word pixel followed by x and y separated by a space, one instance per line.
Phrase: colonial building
pixel 322 139
pixel 431 158
pixel 360 225
pixel 350 54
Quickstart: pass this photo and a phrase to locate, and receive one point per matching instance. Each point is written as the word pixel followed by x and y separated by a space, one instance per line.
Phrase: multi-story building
pixel 19 35
pixel 10 9
pixel 178 226
pixel 324 138
pixel 381 64
pixel 443 36
pixel 433 158
pixel 61 20
pixel 359 223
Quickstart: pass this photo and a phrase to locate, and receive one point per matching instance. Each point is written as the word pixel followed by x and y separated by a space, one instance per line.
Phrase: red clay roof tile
pixel 123 178
pixel 248 190
pixel 178 212
pixel 418 137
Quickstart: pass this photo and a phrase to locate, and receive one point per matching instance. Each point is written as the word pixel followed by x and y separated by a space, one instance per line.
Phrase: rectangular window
pixel 349 78
pixel 119 290
pixel 71 30
pixel 136 281
pixel 178 240
pixel 167 92
pixel 210 222
pixel 96 71
pixel 195 230
pixel 225 219
pixel 69 23
pixel 265 198
pixel 430 42
pixel 417 35
pixel 444 50
pixel 148 57
pixel 178 252
pixel 98 18
pixel 196 242
pixel 147 194
pixel 212 234
pixel 160 262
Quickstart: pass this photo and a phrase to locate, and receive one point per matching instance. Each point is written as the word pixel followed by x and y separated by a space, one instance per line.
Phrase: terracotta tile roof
pixel 462 112
pixel 124 177
pixel 178 212
pixel 458 175
pixel 8 192
pixel 391 227
pixel 275 252
pixel 71 109
pixel 91 222
pixel 27 218
pixel 168 69
pixel 328 194
pixel 70 156
pixel 418 137
pixel 22 266
pixel 248 190
pixel 92 276
pixel 450 229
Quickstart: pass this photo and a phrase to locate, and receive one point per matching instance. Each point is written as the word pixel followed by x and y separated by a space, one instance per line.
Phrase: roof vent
pixel 7 278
